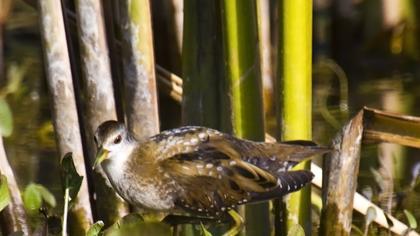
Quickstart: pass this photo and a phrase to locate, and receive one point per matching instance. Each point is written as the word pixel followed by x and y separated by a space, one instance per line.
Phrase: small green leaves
pixel 296 230
pixel 71 179
pixel 95 229
pixel 47 196
pixel 33 196
pixel 4 193
pixel 412 222
pixel 32 199
pixel 204 231
pixel 6 120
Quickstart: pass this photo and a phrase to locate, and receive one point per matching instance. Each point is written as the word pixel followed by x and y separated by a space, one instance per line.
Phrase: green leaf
pixel 95 229
pixel 296 230
pixel 4 193
pixel 33 196
pixel 6 120
pixel 46 195
pixel 71 179
pixel 204 231
pixel 412 222
pixel 32 199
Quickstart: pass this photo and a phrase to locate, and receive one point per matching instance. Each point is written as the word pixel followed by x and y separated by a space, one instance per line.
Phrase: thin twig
pixel 65 211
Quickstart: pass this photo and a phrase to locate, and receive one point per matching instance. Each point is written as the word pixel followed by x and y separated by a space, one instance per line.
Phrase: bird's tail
pixel 289 181
pixel 303 149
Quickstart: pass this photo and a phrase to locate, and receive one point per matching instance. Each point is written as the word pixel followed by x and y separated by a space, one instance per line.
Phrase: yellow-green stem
pixel 294 75
pixel 240 35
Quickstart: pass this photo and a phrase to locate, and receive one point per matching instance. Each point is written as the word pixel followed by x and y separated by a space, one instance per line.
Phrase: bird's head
pixel 111 138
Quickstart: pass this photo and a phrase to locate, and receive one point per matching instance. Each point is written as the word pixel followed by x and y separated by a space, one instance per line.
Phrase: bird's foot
pixel 238 224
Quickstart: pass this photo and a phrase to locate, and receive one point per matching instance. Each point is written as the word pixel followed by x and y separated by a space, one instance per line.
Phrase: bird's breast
pixel 145 192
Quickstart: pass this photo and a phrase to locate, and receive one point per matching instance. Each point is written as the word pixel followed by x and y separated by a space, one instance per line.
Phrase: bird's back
pixel 214 171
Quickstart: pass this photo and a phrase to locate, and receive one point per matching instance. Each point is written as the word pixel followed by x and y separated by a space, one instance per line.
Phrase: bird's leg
pixel 238 224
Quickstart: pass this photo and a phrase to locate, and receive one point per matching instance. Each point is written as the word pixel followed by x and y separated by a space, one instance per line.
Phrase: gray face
pixel 110 134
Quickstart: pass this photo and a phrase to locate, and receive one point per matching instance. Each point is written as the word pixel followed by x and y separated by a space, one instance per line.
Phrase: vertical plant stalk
pixel 240 35
pixel 391 156
pixel 338 179
pixel 111 10
pixel 294 80
pixel 13 217
pixel 139 69
pixel 98 99
pixel 65 120
pixel 168 24
pixel 5 6
pixel 65 211
pixel 263 13
pixel 202 70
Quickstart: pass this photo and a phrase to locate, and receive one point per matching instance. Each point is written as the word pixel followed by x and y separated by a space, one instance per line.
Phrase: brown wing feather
pixel 213 186
pixel 216 171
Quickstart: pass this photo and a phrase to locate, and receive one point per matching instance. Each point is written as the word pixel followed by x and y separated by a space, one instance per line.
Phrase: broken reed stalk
pixel 361 204
pixel 243 76
pixel 139 69
pixel 13 217
pixel 341 169
pixel 98 99
pixel 65 120
pixel 294 102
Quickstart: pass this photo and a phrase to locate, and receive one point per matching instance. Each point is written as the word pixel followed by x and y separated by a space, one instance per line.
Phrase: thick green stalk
pixel 202 70
pixel 294 75
pixel 240 34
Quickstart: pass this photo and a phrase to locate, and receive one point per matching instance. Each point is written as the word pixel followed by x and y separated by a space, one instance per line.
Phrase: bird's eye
pixel 118 139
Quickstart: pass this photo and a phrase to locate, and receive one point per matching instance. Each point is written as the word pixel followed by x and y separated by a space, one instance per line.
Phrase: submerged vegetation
pixel 290 69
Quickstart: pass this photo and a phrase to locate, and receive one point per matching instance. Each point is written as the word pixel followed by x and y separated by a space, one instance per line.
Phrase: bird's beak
pixel 101 155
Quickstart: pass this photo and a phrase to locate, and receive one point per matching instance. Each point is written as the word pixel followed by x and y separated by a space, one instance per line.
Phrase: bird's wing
pixel 215 180
pixel 213 176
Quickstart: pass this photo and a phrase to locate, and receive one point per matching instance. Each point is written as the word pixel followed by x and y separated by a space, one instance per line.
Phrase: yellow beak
pixel 101 155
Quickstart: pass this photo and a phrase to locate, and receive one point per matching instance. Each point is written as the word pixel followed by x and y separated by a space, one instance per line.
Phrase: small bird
pixel 198 170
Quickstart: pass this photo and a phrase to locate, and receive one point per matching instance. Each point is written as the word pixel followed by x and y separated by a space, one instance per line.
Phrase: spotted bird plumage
pixel 203 171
